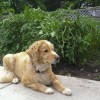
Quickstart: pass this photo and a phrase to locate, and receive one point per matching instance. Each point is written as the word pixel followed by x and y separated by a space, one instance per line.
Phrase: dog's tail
pixel 5 75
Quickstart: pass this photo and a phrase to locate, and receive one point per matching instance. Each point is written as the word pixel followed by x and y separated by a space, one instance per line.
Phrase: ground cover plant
pixel 74 39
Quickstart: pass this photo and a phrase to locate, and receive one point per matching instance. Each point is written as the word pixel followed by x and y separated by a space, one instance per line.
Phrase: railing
pixel 93 12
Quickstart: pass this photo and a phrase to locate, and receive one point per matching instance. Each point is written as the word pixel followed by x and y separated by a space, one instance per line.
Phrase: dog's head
pixel 42 51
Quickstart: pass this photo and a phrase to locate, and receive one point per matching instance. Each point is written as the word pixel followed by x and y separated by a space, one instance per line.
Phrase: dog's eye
pixel 45 50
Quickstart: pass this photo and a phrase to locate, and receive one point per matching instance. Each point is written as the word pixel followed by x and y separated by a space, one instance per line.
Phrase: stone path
pixel 82 89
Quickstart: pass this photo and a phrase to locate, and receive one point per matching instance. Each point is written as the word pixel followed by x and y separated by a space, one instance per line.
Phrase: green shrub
pixel 74 40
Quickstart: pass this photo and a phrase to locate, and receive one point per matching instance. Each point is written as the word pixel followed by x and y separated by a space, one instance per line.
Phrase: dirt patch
pixel 90 70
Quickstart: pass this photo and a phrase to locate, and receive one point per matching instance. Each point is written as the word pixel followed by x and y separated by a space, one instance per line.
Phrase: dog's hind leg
pixel 9 62
pixel 7 71
pixel 5 75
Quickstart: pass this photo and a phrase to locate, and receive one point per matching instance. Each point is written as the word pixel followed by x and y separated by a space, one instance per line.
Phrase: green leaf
pixel 52 34
pixel 41 32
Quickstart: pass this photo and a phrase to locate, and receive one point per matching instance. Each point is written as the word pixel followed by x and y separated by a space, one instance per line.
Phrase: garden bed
pixel 91 70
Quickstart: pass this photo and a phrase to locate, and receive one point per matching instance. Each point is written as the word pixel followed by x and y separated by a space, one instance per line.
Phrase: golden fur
pixel 33 68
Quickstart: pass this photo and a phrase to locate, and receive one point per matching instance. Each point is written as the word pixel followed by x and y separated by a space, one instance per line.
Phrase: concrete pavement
pixel 82 89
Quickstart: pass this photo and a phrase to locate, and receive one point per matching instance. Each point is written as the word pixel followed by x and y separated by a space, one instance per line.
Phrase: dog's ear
pixel 33 51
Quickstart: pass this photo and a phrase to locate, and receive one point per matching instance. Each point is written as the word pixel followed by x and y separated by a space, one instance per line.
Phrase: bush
pixel 74 40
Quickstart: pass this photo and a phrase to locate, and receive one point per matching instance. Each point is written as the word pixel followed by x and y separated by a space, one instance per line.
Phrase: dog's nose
pixel 57 58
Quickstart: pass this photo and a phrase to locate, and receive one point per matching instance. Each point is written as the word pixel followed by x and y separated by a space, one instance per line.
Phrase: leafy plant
pixel 74 40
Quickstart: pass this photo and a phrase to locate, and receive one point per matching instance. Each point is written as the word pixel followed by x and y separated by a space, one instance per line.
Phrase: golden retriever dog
pixel 33 68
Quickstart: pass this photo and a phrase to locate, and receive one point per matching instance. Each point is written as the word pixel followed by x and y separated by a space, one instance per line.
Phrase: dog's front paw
pixel 49 91
pixel 67 91
pixel 15 80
